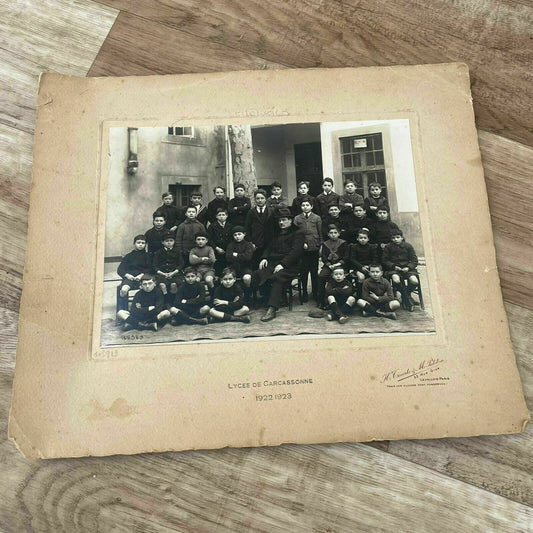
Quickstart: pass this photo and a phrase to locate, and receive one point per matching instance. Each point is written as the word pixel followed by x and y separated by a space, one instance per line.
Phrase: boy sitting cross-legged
pixel 377 296
pixel 168 264
pixel 147 308
pixel 333 253
pixel 202 257
pixel 228 300
pixel 400 262
pixel 339 293
pixel 190 304
pixel 133 266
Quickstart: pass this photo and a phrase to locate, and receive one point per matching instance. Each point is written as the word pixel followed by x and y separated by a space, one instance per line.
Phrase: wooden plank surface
pixel 340 487
pixel 492 36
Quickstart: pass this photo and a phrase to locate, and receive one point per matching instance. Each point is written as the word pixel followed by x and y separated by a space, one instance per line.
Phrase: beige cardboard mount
pixel 72 398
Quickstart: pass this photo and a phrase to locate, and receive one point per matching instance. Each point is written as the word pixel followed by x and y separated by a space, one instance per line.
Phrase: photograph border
pixel 183 348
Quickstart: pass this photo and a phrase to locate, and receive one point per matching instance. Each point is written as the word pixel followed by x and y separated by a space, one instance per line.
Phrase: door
pixel 308 163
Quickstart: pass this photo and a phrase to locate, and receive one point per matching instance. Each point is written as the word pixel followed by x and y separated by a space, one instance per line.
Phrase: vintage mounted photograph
pixel 253 231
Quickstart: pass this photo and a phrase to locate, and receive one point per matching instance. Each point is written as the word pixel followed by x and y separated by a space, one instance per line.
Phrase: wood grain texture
pixel 508 170
pixel 501 464
pixel 176 52
pixel 342 487
pixel 51 35
pixel 492 36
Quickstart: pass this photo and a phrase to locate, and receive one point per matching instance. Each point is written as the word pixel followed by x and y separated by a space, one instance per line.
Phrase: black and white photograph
pixel 254 231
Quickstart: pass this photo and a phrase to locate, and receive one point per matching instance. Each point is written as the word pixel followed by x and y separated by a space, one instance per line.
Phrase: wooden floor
pixel 475 484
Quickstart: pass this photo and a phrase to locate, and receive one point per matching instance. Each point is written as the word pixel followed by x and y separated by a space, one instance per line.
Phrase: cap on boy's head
pixel 276 184
pixel 189 270
pixel 167 236
pixel 283 212
pixel 201 234
pixel 165 194
pixel 333 226
pixel 339 267
pixel 375 184
pixel 239 186
pixel 327 179
pixel 139 238
pixel 158 213
pixel 363 231
pixel 396 231
pixel 147 277
pixel 218 187
pixel 260 191
pixel 238 229
pixel 221 210
pixel 306 183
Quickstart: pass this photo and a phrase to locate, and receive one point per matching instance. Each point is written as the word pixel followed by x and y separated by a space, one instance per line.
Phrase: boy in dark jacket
pixel 201 210
pixel 361 255
pixel 239 255
pixel 168 264
pixel 333 217
pixel 311 226
pixel 220 201
pixel 259 225
pixel 147 308
pixel 400 262
pixel 133 266
pixel 154 236
pixel 333 253
pixel 187 230
pixel 353 221
pixel 382 229
pixel 189 305
pixel 326 198
pixel 350 198
pixel 374 200
pixel 228 301
pixel 276 200
pixel 377 297
pixel 339 294
pixel 303 194
pixel 220 235
pixel 173 215
pixel 239 206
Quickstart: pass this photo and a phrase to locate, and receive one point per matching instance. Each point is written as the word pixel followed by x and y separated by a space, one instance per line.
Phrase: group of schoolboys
pixel 177 262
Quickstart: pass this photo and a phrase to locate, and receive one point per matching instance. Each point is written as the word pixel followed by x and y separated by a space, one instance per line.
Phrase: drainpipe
pixel 133 162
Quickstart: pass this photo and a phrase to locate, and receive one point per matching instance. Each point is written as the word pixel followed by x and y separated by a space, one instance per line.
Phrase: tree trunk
pixel 242 158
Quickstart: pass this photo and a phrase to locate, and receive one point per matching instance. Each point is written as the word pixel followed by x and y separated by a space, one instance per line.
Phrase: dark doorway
pixel 308 163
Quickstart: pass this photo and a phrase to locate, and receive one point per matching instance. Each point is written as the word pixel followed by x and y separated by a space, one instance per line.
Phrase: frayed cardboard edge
pixel 21 441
